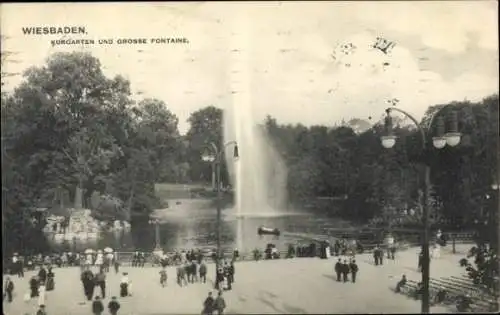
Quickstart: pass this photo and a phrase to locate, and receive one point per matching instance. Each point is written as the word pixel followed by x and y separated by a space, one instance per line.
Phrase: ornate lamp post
pixel 451 138
pixel 156 223
pixel 214 155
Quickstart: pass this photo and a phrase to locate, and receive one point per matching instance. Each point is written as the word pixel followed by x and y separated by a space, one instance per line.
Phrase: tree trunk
pixel 130 199
pixel 79 195
pixel 61 197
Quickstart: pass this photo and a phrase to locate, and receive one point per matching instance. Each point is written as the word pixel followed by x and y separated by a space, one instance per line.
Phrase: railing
pixel 368 246
pixel 125 258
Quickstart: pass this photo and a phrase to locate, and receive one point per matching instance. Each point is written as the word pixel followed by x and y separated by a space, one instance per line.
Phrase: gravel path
pixel 295 286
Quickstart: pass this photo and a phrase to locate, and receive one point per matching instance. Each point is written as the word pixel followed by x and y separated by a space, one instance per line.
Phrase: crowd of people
pixel 20 263
pixel 189 265
pixel 343 269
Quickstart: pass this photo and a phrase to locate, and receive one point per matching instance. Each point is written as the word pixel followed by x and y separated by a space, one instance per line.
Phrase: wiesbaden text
pixel 53 30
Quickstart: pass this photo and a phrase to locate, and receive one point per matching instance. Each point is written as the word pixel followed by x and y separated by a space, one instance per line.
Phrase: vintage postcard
pixel 256 157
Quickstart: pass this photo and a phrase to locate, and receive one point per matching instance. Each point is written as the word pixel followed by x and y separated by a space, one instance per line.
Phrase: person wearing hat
pixel 87 278
pixel 100 281
pixel 227 275
pixel 113 306
pixel 353 267
pixel 124 285
pixel 345 271
pixel 208 305
pixel 231 271
pixel 401 283
pixel 338 269
pixel 34 286
pixel 50 279
pixel 97 306
pixel 42 274
pixel 220 304
pixel 203 272
pixel 219 277
pixel 9 289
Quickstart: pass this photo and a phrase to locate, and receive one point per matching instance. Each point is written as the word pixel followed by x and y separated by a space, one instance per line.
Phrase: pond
pixel 193 224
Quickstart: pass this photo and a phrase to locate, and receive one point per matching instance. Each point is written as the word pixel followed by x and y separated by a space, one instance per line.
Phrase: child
pixel 41 294
pixel 41 310
pixel 219 303
pixel 113 306
pixel 124 285
pixel 163 277
pixel 97 307
pixel 208 305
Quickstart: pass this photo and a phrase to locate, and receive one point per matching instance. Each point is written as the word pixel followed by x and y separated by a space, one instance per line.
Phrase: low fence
pixel 125 258
pixel 367 247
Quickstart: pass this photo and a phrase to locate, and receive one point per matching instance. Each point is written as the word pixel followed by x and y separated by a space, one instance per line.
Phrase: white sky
pixel 444 51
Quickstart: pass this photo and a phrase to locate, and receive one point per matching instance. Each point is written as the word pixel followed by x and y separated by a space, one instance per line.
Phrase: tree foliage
pixel 69 132
pixel 348 165
pixel 67 127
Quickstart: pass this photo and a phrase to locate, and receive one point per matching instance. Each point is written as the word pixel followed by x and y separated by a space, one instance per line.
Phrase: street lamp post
pixel 452 139
pixel 214 156
pixel 156 223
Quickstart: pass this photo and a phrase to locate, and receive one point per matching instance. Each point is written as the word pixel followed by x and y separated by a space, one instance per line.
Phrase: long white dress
pixel 41 295
pixel 99 260
pixel 110 256
pixel 436 251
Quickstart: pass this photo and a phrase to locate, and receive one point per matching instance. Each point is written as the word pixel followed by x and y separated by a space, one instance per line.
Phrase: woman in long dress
pixel 50 280
pixel 436 251
pixel 99 260
pixel 41 294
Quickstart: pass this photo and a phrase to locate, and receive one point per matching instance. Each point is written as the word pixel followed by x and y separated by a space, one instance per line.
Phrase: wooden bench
pixel 480 290
pixel 468 281
pixel 455 290
pixel 468 289
pixel 409 288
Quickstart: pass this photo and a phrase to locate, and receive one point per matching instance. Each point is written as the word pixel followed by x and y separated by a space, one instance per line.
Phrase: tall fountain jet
pixel 259 176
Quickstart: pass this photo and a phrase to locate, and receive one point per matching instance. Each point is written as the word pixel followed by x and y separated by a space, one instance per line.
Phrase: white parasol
pixel 108 250
pixel 89 251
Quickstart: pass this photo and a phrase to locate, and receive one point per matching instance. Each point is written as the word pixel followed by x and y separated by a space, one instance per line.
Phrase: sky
pixel 286 58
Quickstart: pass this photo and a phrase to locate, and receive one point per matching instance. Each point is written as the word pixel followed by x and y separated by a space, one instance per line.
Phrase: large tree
pixel 67 127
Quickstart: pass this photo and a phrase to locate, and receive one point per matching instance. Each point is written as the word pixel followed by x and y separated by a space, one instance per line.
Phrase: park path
pixel 293 286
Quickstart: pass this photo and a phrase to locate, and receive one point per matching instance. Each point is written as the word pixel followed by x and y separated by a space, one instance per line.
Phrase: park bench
pixel 479 302
pixel 455 290
pixel 465 288
pixel 481 290
pixel 464 281
pixel 409 288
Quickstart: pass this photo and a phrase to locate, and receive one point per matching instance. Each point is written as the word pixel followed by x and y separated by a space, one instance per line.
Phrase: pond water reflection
pixel 194 225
